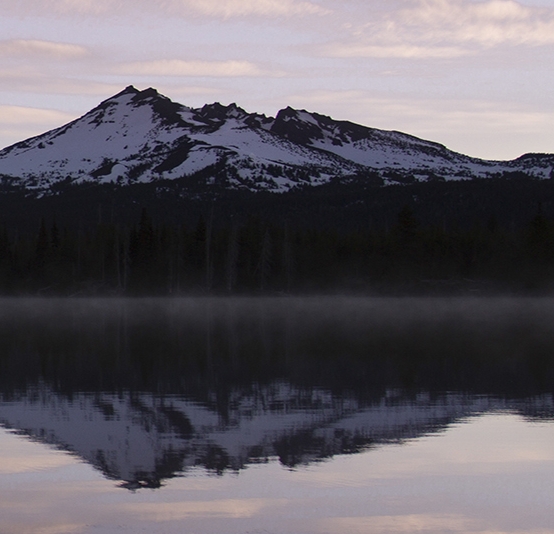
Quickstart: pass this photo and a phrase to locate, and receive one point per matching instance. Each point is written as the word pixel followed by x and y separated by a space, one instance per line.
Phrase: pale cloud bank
pixel 443 29
pixel 404 51
pixel 32 48
pixel 489 23
pixel 198 68
pixel 20 122
pixel 186 8
pixel 20 115
pixel 368 28
pixel 242 8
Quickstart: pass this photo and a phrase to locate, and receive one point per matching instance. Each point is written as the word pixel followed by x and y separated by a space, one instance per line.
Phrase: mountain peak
pixel 136 94
pixel 297 126
pixel 129 90
pixel 219 112
pixel 147 93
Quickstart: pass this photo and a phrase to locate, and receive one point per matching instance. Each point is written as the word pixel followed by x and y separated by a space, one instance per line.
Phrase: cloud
pixel 488 23
pixel 406 51
pixel 42 7
pixel 242 8
pixel 19 122
pixel 442 29
pixel 29 80
pixel 19 115
pixel 429 113
pixel 197 68
pixel 185 8
pixel 32 48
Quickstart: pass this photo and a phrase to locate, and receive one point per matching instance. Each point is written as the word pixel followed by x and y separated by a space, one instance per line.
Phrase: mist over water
pixel 149 391
pixel 493 345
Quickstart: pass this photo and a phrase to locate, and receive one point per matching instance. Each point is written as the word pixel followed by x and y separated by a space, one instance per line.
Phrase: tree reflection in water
pixel 145 390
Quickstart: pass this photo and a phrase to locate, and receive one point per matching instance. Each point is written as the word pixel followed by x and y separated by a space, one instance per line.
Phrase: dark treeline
pixel 255 256
pixel 344 205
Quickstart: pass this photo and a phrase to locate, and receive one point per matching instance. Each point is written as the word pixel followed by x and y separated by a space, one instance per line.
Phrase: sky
pixel 475 75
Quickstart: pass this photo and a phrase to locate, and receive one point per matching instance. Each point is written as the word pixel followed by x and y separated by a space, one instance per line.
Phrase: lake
pixel 277 415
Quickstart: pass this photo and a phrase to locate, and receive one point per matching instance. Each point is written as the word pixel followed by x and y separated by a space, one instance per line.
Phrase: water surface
pixel 280 415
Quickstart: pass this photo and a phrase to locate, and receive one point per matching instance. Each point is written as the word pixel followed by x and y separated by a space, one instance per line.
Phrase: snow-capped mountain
pixel 142 136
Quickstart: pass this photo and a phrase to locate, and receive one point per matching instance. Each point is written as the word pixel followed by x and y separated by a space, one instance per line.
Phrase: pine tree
pixel 265 261
pixel 232 258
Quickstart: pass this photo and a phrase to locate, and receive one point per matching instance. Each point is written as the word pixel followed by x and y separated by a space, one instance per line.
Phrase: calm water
pixel 274 416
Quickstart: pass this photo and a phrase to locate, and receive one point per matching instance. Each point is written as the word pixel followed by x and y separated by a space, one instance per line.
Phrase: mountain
pixel 143 137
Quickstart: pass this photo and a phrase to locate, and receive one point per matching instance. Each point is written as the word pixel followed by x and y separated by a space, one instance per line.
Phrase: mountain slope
pixel 142 136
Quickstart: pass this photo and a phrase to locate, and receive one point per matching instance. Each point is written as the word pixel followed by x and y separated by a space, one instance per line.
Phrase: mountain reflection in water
pixel 145 390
